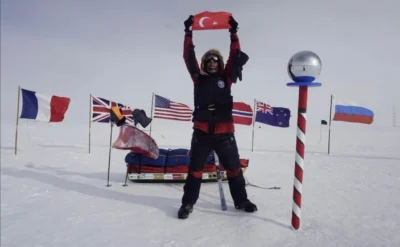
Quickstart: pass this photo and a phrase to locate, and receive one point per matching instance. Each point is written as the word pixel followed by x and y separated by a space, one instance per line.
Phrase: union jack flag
pixel 264 108
pixel 101 110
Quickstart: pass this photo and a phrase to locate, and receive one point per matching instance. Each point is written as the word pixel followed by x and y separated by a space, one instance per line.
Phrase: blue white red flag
pixel 44 108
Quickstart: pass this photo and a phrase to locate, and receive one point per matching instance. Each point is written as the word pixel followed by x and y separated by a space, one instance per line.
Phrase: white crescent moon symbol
pixel 202 19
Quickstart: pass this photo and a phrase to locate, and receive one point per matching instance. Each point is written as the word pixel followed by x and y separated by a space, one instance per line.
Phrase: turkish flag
pixel 211 20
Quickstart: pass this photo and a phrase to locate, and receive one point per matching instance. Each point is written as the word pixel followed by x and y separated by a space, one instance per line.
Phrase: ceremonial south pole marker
pixel 303 68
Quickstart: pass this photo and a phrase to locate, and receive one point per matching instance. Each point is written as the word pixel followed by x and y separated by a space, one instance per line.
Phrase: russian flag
pixel 242 113
pixel 42 107
pixel 350 112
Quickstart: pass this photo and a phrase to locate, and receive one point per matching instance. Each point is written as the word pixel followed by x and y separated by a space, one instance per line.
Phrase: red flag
pixel 58 108
pixel 242 113
pixel 131 138
pixel 211 20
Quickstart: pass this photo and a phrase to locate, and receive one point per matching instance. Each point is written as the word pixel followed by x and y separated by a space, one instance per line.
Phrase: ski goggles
pixel 212 57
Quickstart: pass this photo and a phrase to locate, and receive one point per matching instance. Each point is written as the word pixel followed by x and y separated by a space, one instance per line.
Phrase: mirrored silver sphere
pixel 304 66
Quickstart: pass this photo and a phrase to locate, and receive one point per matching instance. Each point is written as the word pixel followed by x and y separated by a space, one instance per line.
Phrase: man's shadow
pixel 59 171
pixel 164 204
pixel 167 205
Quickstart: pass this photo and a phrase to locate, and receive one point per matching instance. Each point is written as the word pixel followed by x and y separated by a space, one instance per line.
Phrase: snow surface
pixel 53 192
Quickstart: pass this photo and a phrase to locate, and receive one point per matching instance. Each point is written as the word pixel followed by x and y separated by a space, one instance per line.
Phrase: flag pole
pixel 16 124
pixel 320 134
pixel 254 118
pixel 152 107
pixel 90 119
pixel 330 120
pixel 109 156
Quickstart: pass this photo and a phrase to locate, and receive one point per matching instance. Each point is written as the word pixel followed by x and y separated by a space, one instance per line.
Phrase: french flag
pixel 242 113
pixel 350 112
pixel 42 107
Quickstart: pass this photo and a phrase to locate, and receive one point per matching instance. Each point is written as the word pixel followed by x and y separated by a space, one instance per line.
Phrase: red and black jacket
pixel 196 74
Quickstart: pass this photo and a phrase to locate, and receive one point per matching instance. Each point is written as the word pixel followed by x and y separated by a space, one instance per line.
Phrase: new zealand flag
pixel 275 116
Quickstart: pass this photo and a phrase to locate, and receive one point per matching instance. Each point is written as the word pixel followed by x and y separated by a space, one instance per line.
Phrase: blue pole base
pixel 304 84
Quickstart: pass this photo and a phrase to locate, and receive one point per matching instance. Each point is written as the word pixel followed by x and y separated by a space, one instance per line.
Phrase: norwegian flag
pixel 242 113
pixel 101 110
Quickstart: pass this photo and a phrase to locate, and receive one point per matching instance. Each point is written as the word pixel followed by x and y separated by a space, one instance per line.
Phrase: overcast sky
pixel 125 50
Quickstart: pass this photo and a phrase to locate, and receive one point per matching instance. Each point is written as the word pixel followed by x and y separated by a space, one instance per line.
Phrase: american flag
pixel 101 110
pixel 167 109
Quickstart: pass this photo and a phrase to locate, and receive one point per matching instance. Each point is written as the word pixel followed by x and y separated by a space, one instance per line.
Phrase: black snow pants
pixel 226 149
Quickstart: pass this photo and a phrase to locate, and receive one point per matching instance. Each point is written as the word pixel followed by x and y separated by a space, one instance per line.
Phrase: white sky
pixel 126 50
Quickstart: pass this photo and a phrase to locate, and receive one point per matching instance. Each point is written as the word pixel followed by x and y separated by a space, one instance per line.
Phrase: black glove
pixel 239 61
pixel 234 25
pixel 188 23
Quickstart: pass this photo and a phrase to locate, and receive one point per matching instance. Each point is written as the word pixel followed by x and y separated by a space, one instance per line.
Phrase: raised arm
pixel 189 55
pixel 234 47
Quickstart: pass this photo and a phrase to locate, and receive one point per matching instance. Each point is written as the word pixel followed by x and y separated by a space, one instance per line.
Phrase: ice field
pixel 53 192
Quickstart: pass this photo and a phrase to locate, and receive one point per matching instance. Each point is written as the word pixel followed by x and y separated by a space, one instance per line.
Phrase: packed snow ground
pixel 53 192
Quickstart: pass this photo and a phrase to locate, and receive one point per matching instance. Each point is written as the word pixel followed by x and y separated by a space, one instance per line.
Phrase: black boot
pixel 184 211
pixel 247 205
pixel 191 191
pixel 237 187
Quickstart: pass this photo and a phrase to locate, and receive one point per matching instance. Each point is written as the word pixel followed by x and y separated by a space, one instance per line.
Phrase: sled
pixel 171 165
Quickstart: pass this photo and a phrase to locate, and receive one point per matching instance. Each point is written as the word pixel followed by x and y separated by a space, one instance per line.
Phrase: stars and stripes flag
pixel 101 110
pixel 168 109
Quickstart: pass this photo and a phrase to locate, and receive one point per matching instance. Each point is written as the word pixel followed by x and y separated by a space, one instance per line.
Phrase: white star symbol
pixel 215 23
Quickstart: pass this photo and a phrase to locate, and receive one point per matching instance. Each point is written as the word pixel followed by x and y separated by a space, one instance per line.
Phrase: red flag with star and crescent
pixel 211 20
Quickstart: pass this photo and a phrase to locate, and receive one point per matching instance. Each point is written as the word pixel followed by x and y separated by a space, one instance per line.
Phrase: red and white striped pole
pixel 303 68
pixel 299 159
